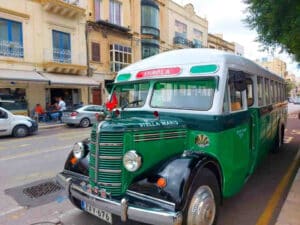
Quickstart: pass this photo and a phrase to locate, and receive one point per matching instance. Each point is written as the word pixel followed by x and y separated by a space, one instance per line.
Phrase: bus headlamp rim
pixel 78 150
pixel 132 161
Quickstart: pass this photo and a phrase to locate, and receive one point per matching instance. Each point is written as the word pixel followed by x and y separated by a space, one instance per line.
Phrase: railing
pixel 182 41
pixel 62 55
pixel 11 49
pixel 150 30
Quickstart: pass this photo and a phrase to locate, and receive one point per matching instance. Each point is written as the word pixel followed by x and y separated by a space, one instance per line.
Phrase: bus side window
pixel 267 96
pixel 236 97
pixel 260 91
pixel 249 91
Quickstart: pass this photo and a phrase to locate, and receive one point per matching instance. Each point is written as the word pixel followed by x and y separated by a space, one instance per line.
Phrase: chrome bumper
pixel 123 208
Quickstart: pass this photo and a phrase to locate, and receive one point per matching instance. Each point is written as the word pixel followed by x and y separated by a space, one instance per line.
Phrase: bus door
pixel 243 132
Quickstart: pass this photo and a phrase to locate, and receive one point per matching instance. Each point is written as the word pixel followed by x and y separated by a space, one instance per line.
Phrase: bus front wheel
pixel 203 200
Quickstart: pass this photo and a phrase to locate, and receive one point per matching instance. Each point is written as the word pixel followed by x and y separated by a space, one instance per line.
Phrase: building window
pixel 95 52
pixel 120 57
pixel 150 18
pixel 61 47
pixel 150 47
pixel 115 12
pixel 11 40
pixel 197 38
pixel 97 10
pixel 180 29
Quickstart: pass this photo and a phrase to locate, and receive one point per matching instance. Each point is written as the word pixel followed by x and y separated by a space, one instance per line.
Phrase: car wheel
pixel 85 122
pixel 20 131
pixel 203 200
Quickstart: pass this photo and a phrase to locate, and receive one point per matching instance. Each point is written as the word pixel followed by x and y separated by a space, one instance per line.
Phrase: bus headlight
pixel 132 161
pixel 78 150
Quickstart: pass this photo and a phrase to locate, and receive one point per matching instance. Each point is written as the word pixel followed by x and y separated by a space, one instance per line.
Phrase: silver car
pixel 83 116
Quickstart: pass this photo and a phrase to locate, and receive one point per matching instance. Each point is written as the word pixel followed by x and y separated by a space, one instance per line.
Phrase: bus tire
pixel 20 131
pixel 279 139
pixel 203 200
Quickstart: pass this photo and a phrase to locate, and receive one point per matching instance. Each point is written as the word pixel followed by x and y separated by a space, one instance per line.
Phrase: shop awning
pixel 63 79
pixel 21 75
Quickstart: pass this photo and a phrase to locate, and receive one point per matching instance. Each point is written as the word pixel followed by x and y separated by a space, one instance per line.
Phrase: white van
pixel 18 126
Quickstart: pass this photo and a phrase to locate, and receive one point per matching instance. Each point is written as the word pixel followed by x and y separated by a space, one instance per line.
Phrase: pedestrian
pixel 61 106
pixel 40 113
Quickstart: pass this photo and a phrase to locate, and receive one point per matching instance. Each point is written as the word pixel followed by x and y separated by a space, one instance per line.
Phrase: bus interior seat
pixel 235 106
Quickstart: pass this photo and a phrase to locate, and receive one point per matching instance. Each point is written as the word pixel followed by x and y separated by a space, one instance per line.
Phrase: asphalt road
pixel 41 156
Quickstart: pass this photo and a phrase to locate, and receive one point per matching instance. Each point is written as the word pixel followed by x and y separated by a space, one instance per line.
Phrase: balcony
pixel 11 49
pixel 105 25
pixel 182 42
pixel 64 61
pixel 150 31
pixel 64 8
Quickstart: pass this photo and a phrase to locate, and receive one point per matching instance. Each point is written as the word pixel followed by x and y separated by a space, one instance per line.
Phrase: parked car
pixel 83 116
pixel 16 125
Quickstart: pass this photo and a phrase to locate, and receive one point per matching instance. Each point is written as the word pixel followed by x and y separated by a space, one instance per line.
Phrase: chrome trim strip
pixel 97 149
pixel 108 157
pixel 159 138
pixel 133 193
pixel 111 144
pixel 110 171
pixel 110 184
pixel 163 133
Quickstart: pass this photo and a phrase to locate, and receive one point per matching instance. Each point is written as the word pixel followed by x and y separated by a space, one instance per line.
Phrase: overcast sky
pixel 226 17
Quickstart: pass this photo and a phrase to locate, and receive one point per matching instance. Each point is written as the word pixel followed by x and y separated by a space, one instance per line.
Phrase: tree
pixel 277 23
pixel 289 86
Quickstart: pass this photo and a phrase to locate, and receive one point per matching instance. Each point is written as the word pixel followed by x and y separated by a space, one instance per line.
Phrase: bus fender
pixel 179 173
pixel 82 165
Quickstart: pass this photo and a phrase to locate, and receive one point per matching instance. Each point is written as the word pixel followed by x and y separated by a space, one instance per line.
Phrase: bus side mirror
pixel 239 80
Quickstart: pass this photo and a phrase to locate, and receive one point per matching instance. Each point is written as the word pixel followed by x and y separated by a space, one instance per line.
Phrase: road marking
pixel 34 152
pixel 12 210
pixel 23 145
pixel 41 137
pixel 266 216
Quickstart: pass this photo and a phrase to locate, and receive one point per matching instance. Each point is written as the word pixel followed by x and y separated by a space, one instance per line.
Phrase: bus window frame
pixel 231 78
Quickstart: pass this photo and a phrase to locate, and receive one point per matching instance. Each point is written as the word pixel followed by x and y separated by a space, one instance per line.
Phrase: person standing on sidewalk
pixel 61 107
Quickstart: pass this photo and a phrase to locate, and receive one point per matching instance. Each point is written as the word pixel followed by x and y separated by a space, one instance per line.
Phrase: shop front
pixel 18 90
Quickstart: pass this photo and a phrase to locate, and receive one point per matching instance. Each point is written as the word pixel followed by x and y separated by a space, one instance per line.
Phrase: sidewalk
pixel 48 125
pixel 290 212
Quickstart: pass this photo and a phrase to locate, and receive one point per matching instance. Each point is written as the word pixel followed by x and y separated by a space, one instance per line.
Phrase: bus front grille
pixel 106 172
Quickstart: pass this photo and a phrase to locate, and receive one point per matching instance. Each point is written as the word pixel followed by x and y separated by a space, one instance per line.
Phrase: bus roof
pixel 187 62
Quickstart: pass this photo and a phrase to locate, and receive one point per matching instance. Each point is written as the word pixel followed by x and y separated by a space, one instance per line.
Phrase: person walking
pixel 61 106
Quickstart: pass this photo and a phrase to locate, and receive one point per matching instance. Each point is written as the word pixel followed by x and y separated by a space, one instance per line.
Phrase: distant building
pixel 238 49
pixel 216 41
pixel 275 65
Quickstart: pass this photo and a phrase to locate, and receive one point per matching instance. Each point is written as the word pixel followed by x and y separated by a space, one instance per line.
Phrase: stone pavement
pixel 290 212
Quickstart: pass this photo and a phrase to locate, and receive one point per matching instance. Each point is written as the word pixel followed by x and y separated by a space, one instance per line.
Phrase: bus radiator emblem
pixel 202 140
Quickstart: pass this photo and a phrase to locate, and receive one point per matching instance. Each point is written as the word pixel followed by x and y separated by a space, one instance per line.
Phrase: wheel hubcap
pixel 21 132
pixel 85 123
pixel 202 209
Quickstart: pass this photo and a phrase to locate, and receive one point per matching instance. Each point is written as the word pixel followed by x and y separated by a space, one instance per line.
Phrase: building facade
pixel 275 65
pixel 216 41
pixel 113 40
pixel 183 28
pixel 43 52
pixel 238 49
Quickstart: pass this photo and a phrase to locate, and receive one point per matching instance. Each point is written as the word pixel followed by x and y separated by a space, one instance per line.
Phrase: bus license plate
pixel 106 216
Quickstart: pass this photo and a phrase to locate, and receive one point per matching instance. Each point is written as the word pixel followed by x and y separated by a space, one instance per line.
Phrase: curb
pixel 44 126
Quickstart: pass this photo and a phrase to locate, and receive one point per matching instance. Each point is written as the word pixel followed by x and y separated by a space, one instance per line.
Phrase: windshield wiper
pixel 130 103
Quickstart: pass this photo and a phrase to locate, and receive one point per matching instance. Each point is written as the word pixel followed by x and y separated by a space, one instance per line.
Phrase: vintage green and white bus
pixel 186 128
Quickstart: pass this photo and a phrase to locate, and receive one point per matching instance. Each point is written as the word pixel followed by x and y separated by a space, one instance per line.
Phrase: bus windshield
pixel 184 94
pixel 130 95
